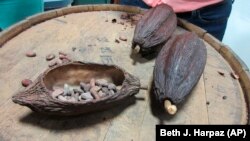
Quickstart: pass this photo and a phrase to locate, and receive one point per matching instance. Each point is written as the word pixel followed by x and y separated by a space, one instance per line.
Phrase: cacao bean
pixel 102 94
pixel 62 53
pixel 122 38
pixel 62 98
pixel 76 96
pixel 178 67
pixel 111 92
pixel 50 57
pixel 72 99
pixel 111 86
pixel 85 87
pixel 26 82
pixel 94 93
pixel 65 60
pixel 96 88
pixel 66 90
pixel 67 97
pixel 57 92
pixel 80 98
pixel 30 54
pixel 86 96
pixel 101 82
pixel 105 90
pixel 77 91
pixel 92 82
pixel 61 57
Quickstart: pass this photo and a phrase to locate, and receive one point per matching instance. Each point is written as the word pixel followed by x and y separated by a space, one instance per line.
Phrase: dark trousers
pixel 212 18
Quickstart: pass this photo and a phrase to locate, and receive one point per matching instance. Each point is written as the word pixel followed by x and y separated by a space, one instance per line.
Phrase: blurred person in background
pixel 211 15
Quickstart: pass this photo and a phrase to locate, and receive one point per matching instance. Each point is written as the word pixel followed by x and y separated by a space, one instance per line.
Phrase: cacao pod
pixel 178 67
pixel 38 96
pixel 154 28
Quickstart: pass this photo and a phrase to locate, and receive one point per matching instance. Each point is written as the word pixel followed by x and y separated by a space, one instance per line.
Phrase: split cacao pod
pixel 178 68
pixel 38 96
pixel 154 28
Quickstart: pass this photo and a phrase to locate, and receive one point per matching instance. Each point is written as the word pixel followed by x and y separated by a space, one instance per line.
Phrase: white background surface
pixel 237 34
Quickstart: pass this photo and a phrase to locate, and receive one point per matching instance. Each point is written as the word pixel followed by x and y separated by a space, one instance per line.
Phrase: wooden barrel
pixel 90 34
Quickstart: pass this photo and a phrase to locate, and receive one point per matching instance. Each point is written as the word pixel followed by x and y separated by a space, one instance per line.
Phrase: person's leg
pixel 138 3
pixel 212 18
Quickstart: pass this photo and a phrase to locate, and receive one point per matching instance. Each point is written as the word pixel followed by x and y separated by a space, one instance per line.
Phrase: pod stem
pixel 171 109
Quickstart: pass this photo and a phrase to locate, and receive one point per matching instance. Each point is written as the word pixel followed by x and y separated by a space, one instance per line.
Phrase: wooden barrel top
pixel 90 37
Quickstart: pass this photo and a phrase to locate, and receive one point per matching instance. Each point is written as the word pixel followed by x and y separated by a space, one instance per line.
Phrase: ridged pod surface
pixel 178 67
pixel 155 27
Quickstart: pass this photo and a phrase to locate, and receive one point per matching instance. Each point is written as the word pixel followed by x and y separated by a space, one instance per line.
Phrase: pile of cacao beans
pixel 93 90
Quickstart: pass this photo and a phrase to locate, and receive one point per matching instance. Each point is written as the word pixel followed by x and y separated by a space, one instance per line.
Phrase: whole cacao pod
pixel 154 28
pixel 178 68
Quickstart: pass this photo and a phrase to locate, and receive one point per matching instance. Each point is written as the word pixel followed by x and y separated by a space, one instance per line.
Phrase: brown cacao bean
pixel 122 38
pixel 30 54
pixel 102 94
pixel 92 82
pixel 62 53
pixel 94 93
pixel 66 90
pixel 61 57
pixel 26 82
pixel 85 87
pixel 111 92
pixel 50 57
pixel 96 88
pixel 101 82
pixel 86 96
pixel 105 90
pixel 62 98
pixel 111 86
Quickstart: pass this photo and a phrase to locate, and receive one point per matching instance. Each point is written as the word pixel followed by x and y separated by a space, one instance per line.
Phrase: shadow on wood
pixel 62 123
